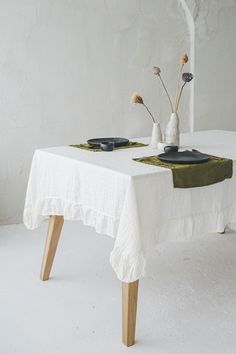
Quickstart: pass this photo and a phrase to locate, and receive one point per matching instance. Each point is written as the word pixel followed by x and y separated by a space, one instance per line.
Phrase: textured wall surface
pixel 215 70
pixel 69 67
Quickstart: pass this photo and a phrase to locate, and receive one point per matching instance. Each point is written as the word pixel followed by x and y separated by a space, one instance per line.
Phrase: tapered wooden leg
pixel 54 231
pixel 129 310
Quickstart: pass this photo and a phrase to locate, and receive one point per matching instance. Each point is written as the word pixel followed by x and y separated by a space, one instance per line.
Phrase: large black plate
pixel 117 141
pixel 184 157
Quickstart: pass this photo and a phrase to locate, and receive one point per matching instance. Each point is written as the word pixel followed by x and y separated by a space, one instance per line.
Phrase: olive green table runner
pixel 131 144
pixel 195 175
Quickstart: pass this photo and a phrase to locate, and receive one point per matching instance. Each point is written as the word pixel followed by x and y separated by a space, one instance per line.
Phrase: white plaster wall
pixel 215 69
pixel 68 68
pixel 67 71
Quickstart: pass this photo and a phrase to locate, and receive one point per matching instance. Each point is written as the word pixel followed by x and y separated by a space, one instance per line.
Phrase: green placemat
pixel 197 175
pixel 131 144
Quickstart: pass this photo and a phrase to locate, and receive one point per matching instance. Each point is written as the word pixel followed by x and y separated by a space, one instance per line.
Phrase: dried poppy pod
pixel 156 70
pixel 136 99
pixel 187 77
pixel 183 58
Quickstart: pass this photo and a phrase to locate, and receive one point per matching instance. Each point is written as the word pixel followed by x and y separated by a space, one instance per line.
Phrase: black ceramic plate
pixel 183 157
pixel 117 141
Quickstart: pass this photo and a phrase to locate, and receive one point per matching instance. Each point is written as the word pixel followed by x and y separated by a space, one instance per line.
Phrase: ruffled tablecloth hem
pixel 103 224
pixel 128 268
pixel 196 225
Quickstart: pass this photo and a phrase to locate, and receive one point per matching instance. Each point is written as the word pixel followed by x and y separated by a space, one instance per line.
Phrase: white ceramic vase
pixel 156 135
pixel 172 130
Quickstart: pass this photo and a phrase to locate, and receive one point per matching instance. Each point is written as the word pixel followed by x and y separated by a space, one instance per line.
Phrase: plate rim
pixel 125 140
pixel 204 158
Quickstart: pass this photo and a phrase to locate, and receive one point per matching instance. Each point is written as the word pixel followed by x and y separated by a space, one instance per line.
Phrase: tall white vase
pixel 172 130
pixel 156 135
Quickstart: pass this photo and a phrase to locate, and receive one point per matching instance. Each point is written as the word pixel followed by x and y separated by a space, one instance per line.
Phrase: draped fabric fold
pixel 134 203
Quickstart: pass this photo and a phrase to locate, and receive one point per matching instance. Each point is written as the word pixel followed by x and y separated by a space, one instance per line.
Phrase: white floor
pixel 187 302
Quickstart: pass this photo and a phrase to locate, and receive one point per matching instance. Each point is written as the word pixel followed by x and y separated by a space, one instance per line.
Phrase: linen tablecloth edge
pixel 128 268
pixel 131 267
pixel 44 208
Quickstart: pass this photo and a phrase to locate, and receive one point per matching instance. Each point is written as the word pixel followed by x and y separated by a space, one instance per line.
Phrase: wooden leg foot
pixel 129 310
pixel 54 231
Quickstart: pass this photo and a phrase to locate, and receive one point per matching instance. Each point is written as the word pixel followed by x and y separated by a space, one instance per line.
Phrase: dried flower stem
pixel 179 96
pixel 178 85
pixel 164 86
pixel 153 119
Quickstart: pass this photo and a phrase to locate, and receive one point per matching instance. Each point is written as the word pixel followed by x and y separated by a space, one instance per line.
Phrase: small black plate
pixel 184 157
pixel 117 141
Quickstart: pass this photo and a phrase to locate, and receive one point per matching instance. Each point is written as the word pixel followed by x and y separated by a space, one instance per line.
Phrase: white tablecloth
pixel 133 202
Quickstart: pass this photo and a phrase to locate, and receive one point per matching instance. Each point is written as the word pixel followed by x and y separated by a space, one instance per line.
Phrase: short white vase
pixel 156 135
pixel 172 130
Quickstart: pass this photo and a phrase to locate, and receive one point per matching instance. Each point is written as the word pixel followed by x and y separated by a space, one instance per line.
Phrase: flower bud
pixel 156 70
pixel 136 99
pixel 183 58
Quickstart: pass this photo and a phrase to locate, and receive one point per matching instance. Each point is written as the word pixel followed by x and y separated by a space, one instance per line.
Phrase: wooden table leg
pixel 129 310
pixel 54 231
